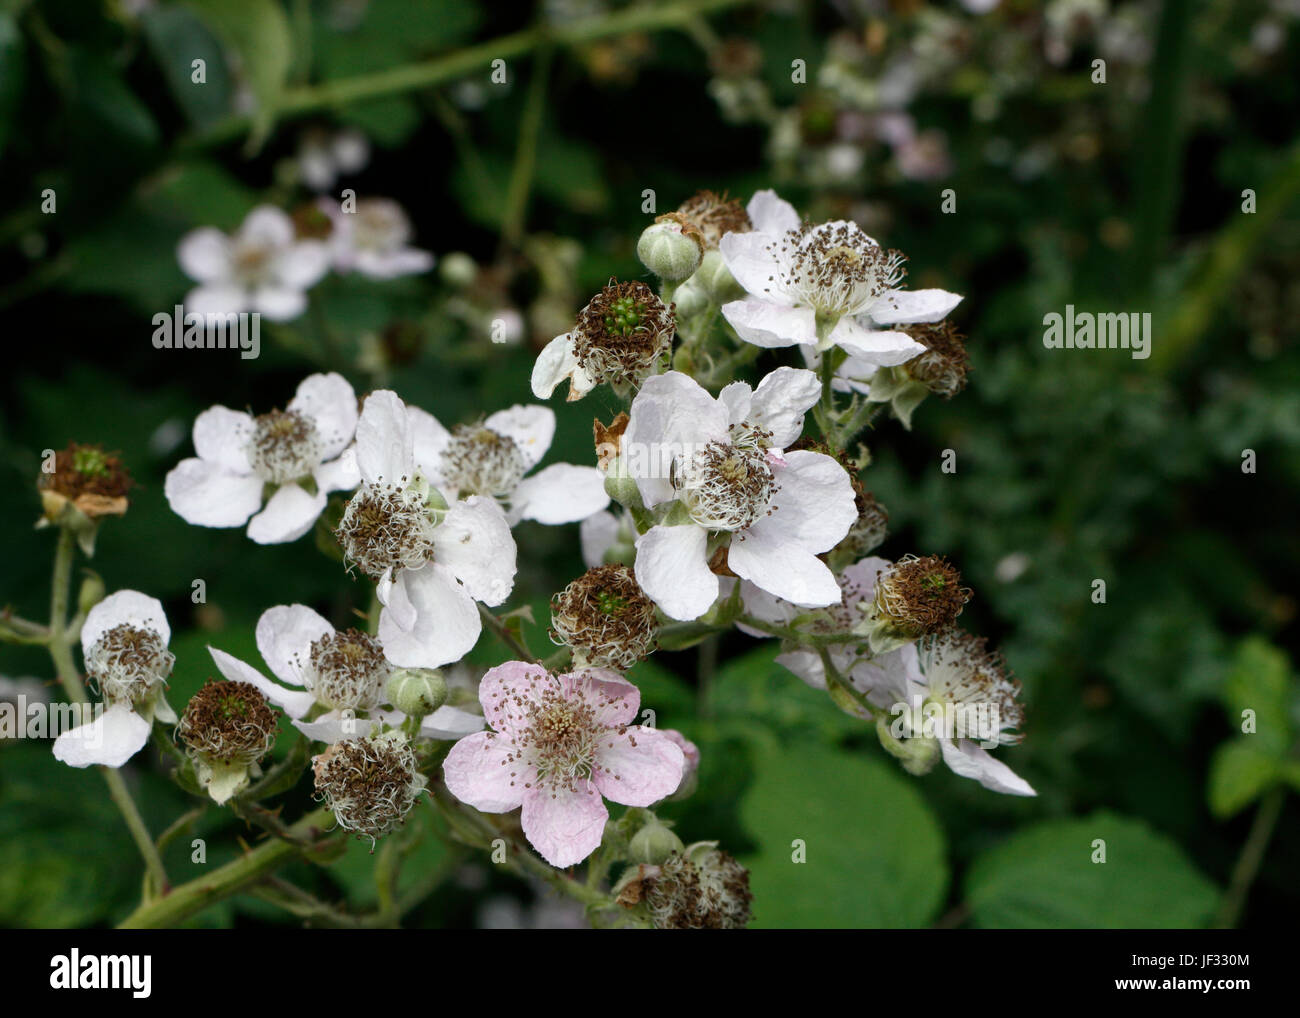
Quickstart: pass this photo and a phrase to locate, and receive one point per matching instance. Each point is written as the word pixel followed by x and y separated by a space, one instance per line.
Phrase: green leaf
pixel 1044 877
pixel 1239 774
pixel 258 32
pixel 177 38
pixel 1260 682
pixel 874 851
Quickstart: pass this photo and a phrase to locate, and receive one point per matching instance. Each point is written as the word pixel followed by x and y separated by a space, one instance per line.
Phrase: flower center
pixel 961 672
pixel 836 269
pixel 128 663
pixel 252 263
pixel 622 332
pixel 228 721
pixel 480 461
pixel 726 487
pixel 380 226
pixel 561 740
pixel 387 527
pixel 285 446
pixel 347 670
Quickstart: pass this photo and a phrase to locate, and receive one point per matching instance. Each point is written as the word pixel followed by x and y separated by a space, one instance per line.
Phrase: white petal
pixel 278 303
pixel 672 570
pixel 968 760
pixel 302 265
pixel 906 307
pixel 385 451
pixel 221 436
pixel 208 495
pixel 873 347
pixel 126 607
pixel 554 364
pixel 475 543
pixel 754 261
pixel 288 515
pixel 331 404
pixel 267 225
pixel 780 402
pixel 296 702
pixel 217 298
pixel 531 427
pixel 285 634
pixel 335 727
pixel 814 506
pixel 597 534
pixel 407 261
pixel 768 324
pixel 111 739
pixel 340 474
pixel 671 416
pixel 807 664
pixel 783 568
pixel 561 493
pixel 770 213
pixel 446 624
pixel 428 440
pixel 204 255
pixel 738 398
pixel 451 723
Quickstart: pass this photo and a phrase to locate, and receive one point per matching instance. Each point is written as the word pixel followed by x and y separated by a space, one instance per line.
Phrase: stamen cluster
pixel 347 670
pixel 386 526
pixel 945 364
pixel 285 446
pixel 606 617
pixel 230 722
pixel 622 332
pixel 920 595
pixel 370 783
pixel 480 461
pixel 726 486
pixel 128 663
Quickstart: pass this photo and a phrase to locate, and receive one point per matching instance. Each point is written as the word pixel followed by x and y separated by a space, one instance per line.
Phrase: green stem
pixel 502 633
pixel 449 67
pixel 308 834
pixel 1251 858
pixel 521 177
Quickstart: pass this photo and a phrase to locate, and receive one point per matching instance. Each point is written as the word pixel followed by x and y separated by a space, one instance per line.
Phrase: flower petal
pixel 507 691
pixel 475 543
pixel 450 723
pixel 289 514
pixel 597 534
pixel 783 568
pixel 204 254
pixel 110 740
pixel 906 307
pixel 753 259
pixel 302 265
pixel 531 427
pixel 869 349
pixel 428 440
pixel 335 727
pixel 814 506
pixel 385 452
pixel 480 770
pixel 340 474
pixel 768 324
pixel 222 436
pixel 331 404
pixel 126 607
pixel 267 225
pixel 613 698
pixel 208 495
pixel 781 400
pixel 564 826
pixel 671 416
pixel 446 624
pixel 640 768
pixel 672 570
pixel 561 493
pixel 770 213
pixel 968 760
pixel 278 302
pixel 217 298
pixel 285 634
pixel 554 364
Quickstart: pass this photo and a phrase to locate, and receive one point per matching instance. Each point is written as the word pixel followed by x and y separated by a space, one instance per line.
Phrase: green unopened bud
pixel 689 300
pixel 459 269
pixel 668 252
pixel 715 279
pixel 653 844
pixel 918 755
pixel 621 486
pixel 417 692
pixel 91 593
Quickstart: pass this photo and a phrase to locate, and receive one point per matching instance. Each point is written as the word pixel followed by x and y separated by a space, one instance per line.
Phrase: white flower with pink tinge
pixel 261 267
pixel 823 286
pixel 561 743
pixel 301 453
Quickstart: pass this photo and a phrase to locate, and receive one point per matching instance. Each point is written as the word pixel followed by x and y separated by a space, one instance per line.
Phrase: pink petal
pixel 479 771
pixel 564 826
pixel 639 767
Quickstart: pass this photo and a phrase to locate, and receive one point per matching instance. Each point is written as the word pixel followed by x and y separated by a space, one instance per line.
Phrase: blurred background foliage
pixel 1073 466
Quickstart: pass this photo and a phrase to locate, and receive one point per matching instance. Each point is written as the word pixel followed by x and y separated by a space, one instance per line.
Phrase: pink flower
pixel 561 743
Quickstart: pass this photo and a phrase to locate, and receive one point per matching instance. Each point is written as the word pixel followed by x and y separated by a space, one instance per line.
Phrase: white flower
pixel 302 452
pixel 124 643
pixel 492 459
pixel 373 240
pixel 716 468
pixel 262 267
pixel 432 560
pixel 324 156
pixel 344 672
pixel 822 286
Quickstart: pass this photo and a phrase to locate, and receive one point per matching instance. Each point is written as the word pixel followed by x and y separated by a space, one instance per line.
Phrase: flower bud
pixel 654 843
pixel 689 300
pixel 918 754
pixel 91 593
pixel 417 691
pixel 714 279
pixel 459 269
pixel 670 249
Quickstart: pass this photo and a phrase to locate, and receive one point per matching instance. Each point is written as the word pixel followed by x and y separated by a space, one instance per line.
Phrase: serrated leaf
pixel 1239 774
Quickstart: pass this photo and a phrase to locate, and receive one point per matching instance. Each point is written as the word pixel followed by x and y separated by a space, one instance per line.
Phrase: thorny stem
pixel 61 652
pixel 1251 858
pixel 503 633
